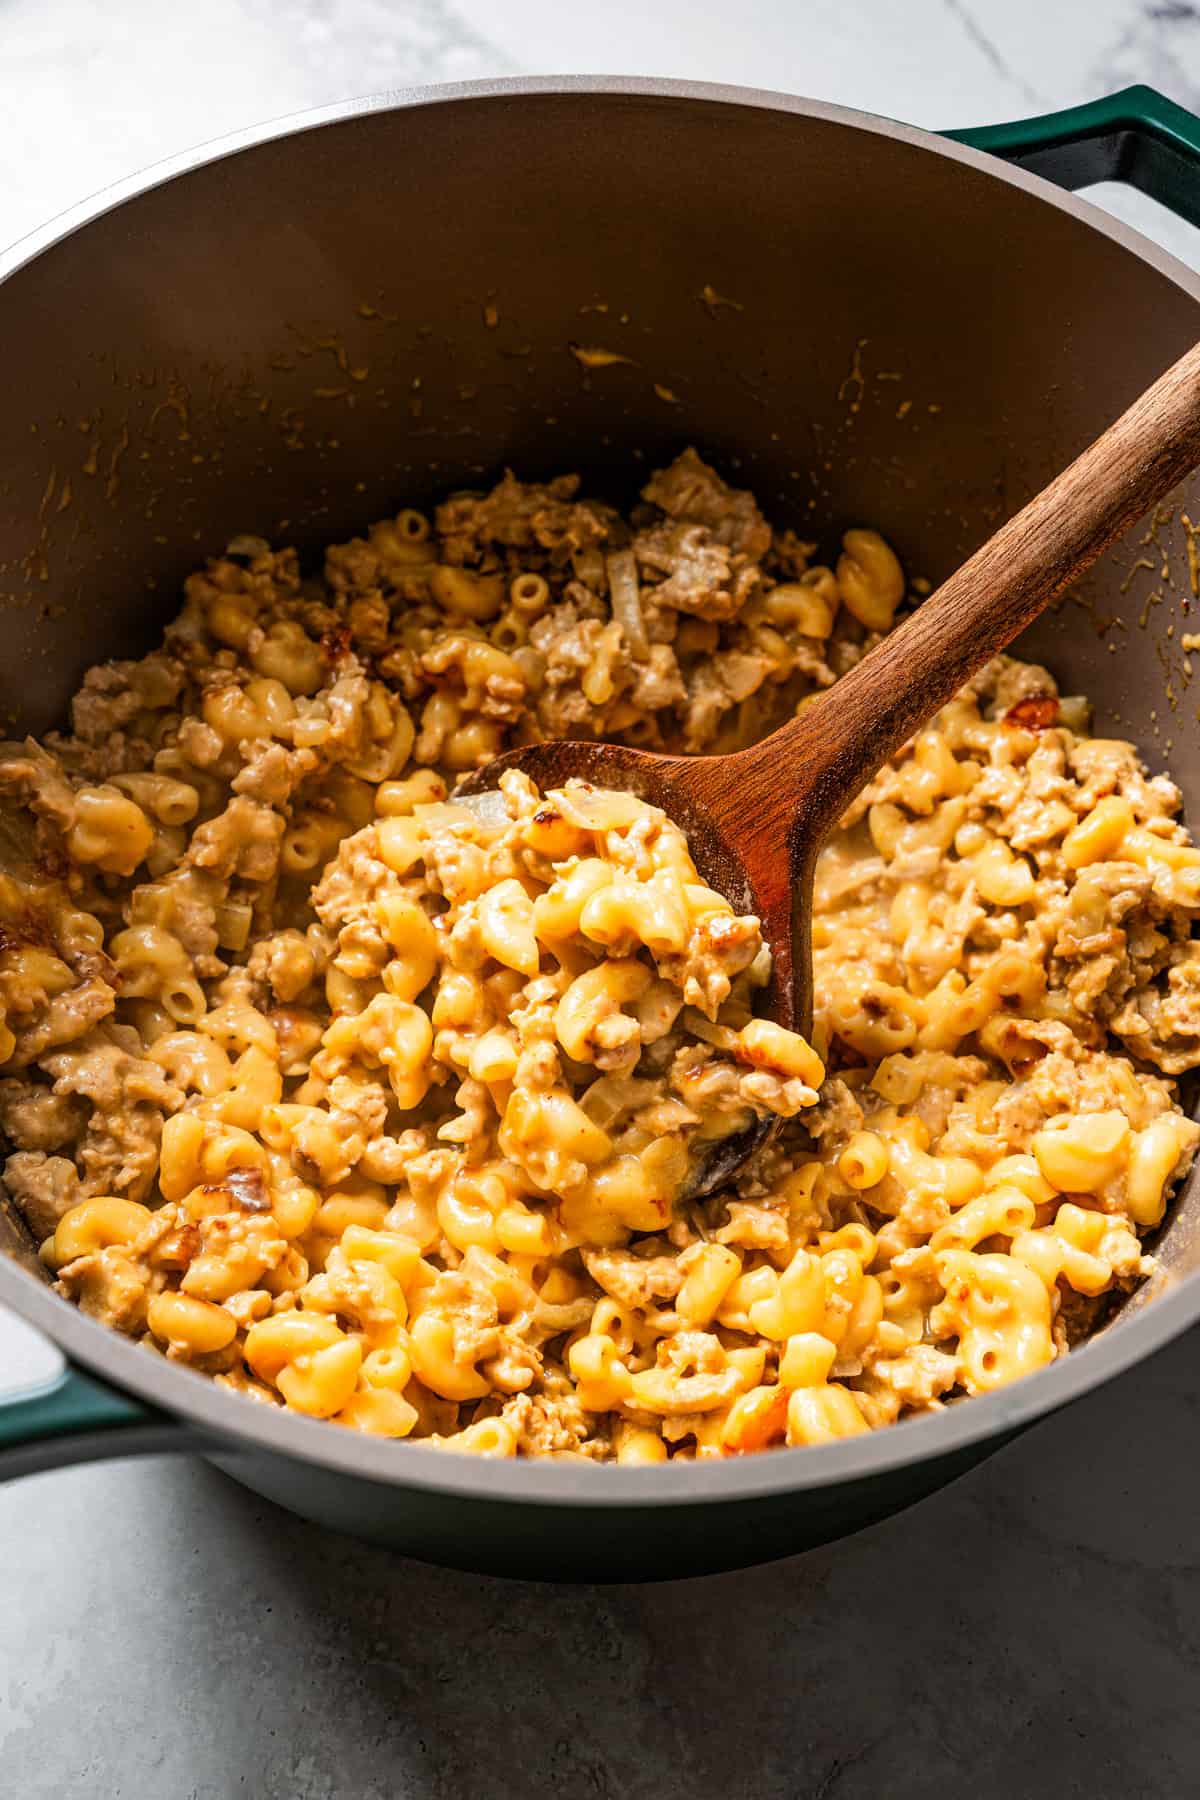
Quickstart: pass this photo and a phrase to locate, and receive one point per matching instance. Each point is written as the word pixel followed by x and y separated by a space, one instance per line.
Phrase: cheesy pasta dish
pixel 385 1106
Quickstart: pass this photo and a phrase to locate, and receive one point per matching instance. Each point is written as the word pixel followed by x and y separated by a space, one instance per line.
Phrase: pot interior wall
pixel 299 338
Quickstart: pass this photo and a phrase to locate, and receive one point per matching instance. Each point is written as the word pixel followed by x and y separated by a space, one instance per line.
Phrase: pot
pixel 297 330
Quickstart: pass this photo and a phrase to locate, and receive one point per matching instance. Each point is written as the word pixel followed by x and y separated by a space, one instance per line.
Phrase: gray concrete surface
pixel 1033 1631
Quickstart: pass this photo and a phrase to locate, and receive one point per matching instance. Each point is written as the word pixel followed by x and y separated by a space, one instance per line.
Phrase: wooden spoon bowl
pixel 756 819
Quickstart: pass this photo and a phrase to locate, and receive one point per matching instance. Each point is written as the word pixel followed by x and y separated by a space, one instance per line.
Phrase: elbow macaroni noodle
pixel 380 1106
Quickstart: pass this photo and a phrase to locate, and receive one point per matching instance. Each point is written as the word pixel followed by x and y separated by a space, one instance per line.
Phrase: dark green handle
pixel 79 1419
pixel 1137 136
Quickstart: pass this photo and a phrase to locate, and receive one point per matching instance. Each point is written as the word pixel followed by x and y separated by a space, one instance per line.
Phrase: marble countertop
pixel 1033 1630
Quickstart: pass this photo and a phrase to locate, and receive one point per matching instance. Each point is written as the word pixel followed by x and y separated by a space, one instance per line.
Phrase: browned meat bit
pixel 336 645
pixel 243 1189
pixel 41 1020
pixel 699 574
pixel 754 1227
pixel 30 774
pixel 42 1188
pixel 690 490
pixel 271 773
pixel 178 1248
pixel 550 1424
pixel 1037 713
pixel 110 1285
pixel 129 1096
pixel 790 555
pixel 369 622
pixel 264 579
pixel 521 516
pixel 36 1118
pixel 1162 1021
pixel 114 694
pixel 354 568
pixel 244 840
pixel 635 1277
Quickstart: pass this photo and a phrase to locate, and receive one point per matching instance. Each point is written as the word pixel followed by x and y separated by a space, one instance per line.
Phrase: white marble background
pixel 94 92
pixel 1030 1632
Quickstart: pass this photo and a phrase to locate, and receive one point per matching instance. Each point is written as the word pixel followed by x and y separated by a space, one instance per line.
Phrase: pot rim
pixel 236 1424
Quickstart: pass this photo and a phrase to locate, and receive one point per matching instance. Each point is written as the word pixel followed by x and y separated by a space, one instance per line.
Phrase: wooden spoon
pixel 756 819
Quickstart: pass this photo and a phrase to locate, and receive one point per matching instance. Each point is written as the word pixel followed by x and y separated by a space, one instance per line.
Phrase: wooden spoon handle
pixel 839 742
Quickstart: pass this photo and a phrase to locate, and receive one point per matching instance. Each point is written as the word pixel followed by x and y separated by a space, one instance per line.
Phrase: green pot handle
pixel 1137 136
pixel 78 1418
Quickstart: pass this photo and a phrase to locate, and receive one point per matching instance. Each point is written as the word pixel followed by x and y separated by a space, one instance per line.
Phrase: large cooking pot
pixel 298 330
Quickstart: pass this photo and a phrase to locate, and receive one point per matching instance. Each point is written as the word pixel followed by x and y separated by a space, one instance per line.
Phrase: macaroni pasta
pixel 380 1106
